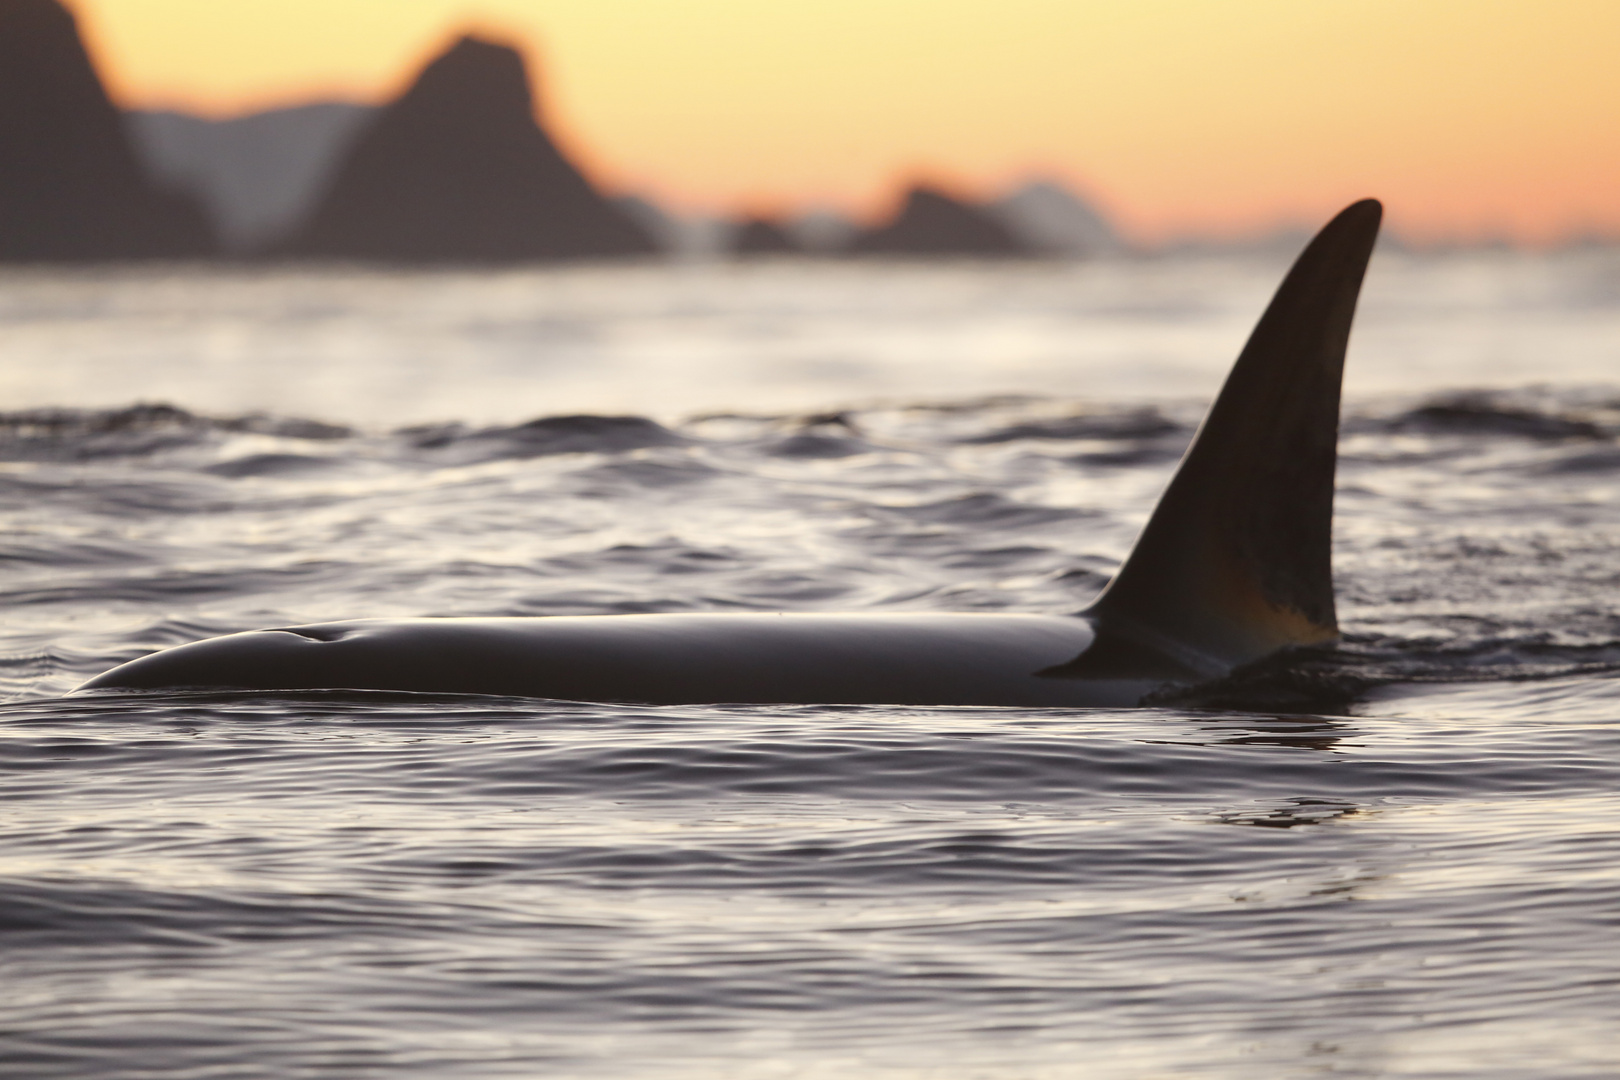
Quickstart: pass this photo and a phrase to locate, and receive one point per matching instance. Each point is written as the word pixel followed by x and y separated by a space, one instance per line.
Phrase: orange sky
pixel 1468 117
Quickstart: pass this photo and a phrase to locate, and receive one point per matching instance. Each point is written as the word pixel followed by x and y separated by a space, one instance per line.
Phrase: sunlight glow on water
pixel 379 348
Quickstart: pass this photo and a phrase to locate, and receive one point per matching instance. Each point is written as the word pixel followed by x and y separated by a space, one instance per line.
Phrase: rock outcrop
pixel 458 170
pixel 71 188
pixel 762 236
pixel 932 223
pixel 1050 218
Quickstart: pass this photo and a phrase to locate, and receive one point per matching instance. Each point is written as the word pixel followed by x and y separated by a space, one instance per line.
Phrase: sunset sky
pixel 1470 118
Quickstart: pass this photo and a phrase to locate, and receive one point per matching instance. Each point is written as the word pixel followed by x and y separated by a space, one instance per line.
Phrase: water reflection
pixel 1291 814
pixel 1299 732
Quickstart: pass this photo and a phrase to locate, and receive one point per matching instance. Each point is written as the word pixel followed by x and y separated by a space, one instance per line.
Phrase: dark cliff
pixel 933 223
pixel 71 188
pixel 458 170
pixel 762 236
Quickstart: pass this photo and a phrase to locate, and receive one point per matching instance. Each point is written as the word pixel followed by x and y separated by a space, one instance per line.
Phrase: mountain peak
pixel 476 68
pixel 932 223
pixel 71 187
pixel 459 169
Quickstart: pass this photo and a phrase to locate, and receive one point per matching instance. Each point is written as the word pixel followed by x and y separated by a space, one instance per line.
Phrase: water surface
pixel 1397 857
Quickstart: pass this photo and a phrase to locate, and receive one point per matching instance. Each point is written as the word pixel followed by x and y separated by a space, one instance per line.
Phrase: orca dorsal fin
pixel 1235 562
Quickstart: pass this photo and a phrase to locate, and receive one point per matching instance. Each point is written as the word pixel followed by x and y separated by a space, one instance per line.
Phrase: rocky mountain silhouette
pixel 71 188
pixel 459 170
pixel 932 223
pixel 762 236
pixel 1050 218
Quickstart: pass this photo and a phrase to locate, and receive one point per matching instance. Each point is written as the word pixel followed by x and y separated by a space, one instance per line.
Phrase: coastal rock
pixel 458 170
pixel 71 188
pixel 1050 218
pixel 932 223
pixel 761 236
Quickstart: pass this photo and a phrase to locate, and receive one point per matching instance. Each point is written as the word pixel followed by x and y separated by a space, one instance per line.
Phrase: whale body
pixel 1233 565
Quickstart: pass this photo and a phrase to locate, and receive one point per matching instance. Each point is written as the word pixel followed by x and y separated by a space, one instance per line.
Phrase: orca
pixel 1233 565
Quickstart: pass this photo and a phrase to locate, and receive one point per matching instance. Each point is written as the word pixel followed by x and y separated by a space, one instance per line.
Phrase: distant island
pixel 71 187
pixel 456 170
pixel 930 222
pixel 459 170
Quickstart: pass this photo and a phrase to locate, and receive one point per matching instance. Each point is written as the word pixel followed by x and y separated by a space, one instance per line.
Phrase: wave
pixel 1473 533
pixel 1537 413
pixel 67 435
pixel 136 430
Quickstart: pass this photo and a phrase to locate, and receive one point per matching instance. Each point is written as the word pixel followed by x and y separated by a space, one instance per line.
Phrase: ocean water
pixel 1398 857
